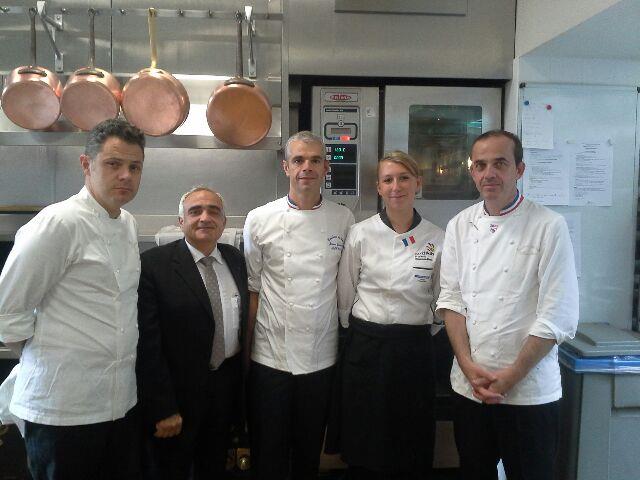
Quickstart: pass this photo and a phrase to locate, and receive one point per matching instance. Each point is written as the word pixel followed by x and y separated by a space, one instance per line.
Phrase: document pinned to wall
pixel 545 178
pixel 592 174
pixel 574 222
pixel 576 173
pixel 537 125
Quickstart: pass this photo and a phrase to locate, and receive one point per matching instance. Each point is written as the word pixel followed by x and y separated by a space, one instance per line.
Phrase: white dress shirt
pixel 292 260
pixel 229 296
pixel 511 276
pixel 389 277
pixel 70 286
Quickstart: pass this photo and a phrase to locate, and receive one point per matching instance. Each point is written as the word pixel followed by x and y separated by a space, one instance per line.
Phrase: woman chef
pixel 388 283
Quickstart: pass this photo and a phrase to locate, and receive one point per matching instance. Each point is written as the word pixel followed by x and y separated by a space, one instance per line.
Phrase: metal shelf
pixel 194 133
pixel 161 12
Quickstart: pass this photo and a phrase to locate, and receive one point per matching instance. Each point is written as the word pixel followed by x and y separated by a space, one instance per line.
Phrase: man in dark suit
pixel 192 309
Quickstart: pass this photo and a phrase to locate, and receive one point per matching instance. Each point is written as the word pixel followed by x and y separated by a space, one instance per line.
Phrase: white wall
pixel 538 21
pixel 585 71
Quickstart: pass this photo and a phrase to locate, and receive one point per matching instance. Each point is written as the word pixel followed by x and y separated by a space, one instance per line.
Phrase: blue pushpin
pixel 526 102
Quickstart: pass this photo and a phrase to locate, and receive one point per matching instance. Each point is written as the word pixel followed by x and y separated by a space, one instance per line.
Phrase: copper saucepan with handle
pixel 239 112
pixel 91 94
pixel 154 100
pixel 31 94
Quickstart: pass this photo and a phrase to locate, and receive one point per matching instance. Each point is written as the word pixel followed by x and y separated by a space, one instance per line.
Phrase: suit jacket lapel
pixel 186 268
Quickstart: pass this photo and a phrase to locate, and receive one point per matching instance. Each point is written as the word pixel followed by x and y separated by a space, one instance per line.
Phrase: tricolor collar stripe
pixel 509 208
pixel 293 205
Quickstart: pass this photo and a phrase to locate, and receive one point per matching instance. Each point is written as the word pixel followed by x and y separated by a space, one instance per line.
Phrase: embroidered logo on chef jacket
pixel 422 278
pixel 336 242
pixel 408 241
pixel 425 254
pixel 493 227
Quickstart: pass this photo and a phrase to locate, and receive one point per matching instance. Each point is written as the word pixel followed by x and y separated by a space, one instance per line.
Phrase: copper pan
pixel 239 112
pixel 31 94
pixel 153 100
pixel 91 94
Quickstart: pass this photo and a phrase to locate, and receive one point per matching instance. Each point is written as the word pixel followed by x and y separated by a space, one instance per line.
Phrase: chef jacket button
pixel 137 269
pixel 495 327
pixel 473 294
pixel 505 269
pixel 317 280
pixel 288 254
pixel 475 241
pixel 287 230
pixel 501 298
pixel 473 267
pixel 474 322
pixel 290 304
pixel 475 350
pixel 322 230
pixel 511 242
pixel 493 354
pixel 307 329
pixel 289 278
pixel 122 330
pixel 117 271
pixel 320 255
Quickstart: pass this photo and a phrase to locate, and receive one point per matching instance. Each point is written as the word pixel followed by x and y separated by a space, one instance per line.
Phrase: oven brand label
pixel 341 97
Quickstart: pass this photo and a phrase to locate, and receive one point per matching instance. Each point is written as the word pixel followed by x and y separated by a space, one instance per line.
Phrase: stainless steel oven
pixel 437 126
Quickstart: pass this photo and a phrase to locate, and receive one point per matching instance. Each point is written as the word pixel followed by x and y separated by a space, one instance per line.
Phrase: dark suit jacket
pixel 176 327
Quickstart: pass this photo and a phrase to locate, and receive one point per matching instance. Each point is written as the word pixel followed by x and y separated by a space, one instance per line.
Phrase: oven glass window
pixel 439 139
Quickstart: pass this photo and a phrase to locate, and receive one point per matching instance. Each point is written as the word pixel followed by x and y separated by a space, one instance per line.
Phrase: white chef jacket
pixel 292 260
pixel 511 276
pixel 229 296
pixel 389 277
pixel 70 286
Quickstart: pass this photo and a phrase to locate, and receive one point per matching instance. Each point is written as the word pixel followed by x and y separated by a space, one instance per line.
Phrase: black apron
pixel 382 417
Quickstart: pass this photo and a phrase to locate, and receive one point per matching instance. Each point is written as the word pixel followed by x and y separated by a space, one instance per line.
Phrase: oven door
pixel 437 126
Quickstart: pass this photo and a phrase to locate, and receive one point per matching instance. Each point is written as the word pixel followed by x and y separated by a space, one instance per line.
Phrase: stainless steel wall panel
pixel 246 179
pixel 200 46
pixel 478 45
pixel 73 41
pixel 26 176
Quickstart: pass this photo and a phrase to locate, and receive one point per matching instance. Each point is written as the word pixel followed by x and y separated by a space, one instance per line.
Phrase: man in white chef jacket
pixel 68 295
pixel 509 297
pixel 292 247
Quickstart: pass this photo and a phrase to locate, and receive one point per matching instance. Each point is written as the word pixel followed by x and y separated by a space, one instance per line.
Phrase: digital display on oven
pixel 342 153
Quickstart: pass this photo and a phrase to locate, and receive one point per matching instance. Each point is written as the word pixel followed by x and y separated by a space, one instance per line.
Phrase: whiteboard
pixel 581 113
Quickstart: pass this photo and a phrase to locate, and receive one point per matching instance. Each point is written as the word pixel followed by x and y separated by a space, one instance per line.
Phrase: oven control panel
pixel 346 119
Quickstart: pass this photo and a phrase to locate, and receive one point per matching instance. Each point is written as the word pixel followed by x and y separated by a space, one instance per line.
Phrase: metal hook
pixel 42 13
pixel 44 19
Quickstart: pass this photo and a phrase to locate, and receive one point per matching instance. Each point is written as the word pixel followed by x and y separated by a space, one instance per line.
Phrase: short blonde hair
pixel 401 158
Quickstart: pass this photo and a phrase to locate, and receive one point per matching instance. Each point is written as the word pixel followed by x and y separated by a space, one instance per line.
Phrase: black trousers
pixel 287 421
pixel 525 437
pixel 106 450
pixel 201 447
